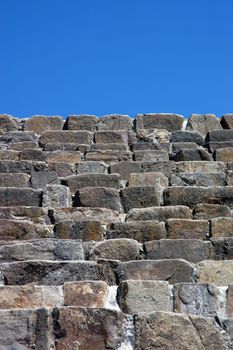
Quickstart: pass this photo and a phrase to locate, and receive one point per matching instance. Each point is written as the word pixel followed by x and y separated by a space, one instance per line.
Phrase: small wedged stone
pixel 192 155
pixel 14 180
pixel 224 154
pixel 91 167
pixel 102 197
pixel 135 296
pixel 210 211
pixel 56 196
pixel 88 230
pixel 8 123
pixel 22 229
pixel 109 156
pixel 203 123
pixel 168 121
pixel 221 227
pixel 188 136
pixel 34 154
pixel 140 197
pixel 150 156
pixel 41 179
pixel 159 213
pixel 81 122
pixel 41 123
pixel 191 250
pixel 76 182
pixel 141 231
pixel 114 122
pixel 217 272
pixel 122 249
pixel 111 137
pixel 200 166
pixel 198 179
pixel 172 271
pixel 13 196
pixel 185 228
pixel 90 294
pixel 65 136
pixel 125 169
pixel 36 215
pixel 227 121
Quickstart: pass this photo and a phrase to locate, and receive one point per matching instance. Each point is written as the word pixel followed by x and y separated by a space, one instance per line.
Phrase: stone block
pixel 40 179
pixel 227 121
pixel 102 197
pixel 229 301
pixel 191 250
pixel 36 215
pixel 70 157
pixel 146 146
pixel 12 137
pixel 125 169
pixel 81 122
pixel 200 166
pixel 143 296
pixel 57 146
pixel 141 231
pixel 109 156
pixel 21 146
pixel 220 135
pixel 9 155
pixel 111 137
pixel 192 155
pixel 91 167
pixel 76 182
pixel 8 123
pixel 217 272
pixel 33 154
pixel 166 168
pixel 221 227
pixel 61 168
pixel 121 147
pixel 22 229
pixel 114 122
pixel 213 146
pixel 122 249
pixel 56 196
pixel 139 197
pixel 185 228
pixel 88 230
pixel 203 123
pixel 179 146
pixel 187 136
pixel 173 271
pixel 65 136
pixel 224 154
pixel 159 213
pixel 13 196
pixel 198 179
pixel 210 211
pixel 23 166
pixel 150 156
pixel 223 248
pixel 168 121
pixel 90 294
pixel 229 178
pixel 40 123
pixel 14 180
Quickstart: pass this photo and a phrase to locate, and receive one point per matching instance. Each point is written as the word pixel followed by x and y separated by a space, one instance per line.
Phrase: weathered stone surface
pixel 111 137
pixel 191 250
pixel 201 166
pixel 61 168
pixel 165 168
pixel 69 146
pixel 192 155
pixel 210 211
pixel 191 196
pixel 114 122
pixel 91 294
pixel 25 329
pixel 109 156
pixel 143 296
pixel 34 214
pixel 92 167
pixel 168 121
pixel 12 137
pixel 39 123
pixel 81 122
pixel 23 166
pixel 22 229
pixel 221 227
pixel 150 156
pixel 65 136
pixel 89 329
pixel 198 179
pixel 213 146
pixel 159 213
pixel 21 146
pixel 217 272
pixel 14 180
pixel 227 121
pixel 84 230
pixel 120 147
pixel 187 136
pixel 183 228
pixel 224 154
pixel 56 196
pixel 219 135
pixel 142 231
pixel 125 169
pixel 203 123
pixel 229 301
pixel 223 248
pixel 102 197
pixel 160 136
pixel 30 297
pixel 13 196
pixel 122 249
pixel 145 146
pixel 179 146
pixel 173 271
pixel 8 123
pixel 9 155
pixel 197 299
pixel 40 179
pixel 229 178
pixel 33 154
pixel 51 272
pixel 139 197
pixel 70 157
pixel 76 182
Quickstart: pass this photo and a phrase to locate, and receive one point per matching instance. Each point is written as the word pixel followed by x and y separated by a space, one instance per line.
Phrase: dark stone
pixel 139 197
pixel 63 136
pixel 219 135
pixel 192 155
pixel 84 230
pixel 159 213
pixel 187 136
pixel 168 121
pixel 209 211
pixel 227 121
pixel 40 179
pixel 76 182
pixel 81 122
pixel 12 196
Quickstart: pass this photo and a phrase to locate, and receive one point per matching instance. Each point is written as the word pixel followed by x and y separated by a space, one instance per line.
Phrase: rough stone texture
pixel 229 178
pixel 71 157
pixel 229 301
pixel 14 180
pixel 210 211
pixel 111 137
pixel 27 167
pixel 203 123
pixel 125 169
pixel 61 168
pixel 221 227
pixel 12 196
pixel 102 197
pixel 81 122
pixel 143 296
pixel 8 123
pixel 217 272
pixel 109 156
pixel 223 248
pixel 192 155
pixel 139 197
pixel 159 213
pixel 84 230
pixel 201 166
pixel 114 122
pixel 173 271
pixel 90 294
pixel 32 214
pixel 12 137
pixel 224 154
pixel 9 155
pixel 78 137
pixel 39 124
pixel 122 249
pixel 183 228
pixel 150 156
pixel 227 121
pixel 198 179
pixel 219 135
pixel 22 229
pixel 168 121
pixel 56 196
pixel 91 167
pixel 187 136
pixel 76 182
pixel 33 154
pixel 142 231
pixel 41 179
pixel 191 250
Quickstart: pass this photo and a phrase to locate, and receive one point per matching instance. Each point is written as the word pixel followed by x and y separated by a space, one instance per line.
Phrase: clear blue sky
pixel 116 56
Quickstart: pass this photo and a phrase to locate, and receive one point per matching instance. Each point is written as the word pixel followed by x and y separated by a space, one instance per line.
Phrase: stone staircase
pixel 116 233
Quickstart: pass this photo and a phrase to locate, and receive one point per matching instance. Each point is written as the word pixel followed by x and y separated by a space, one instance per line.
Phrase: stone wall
pixel 116 233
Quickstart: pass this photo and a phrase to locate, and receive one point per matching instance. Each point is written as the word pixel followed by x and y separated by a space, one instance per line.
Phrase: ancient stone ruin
pixel 116 233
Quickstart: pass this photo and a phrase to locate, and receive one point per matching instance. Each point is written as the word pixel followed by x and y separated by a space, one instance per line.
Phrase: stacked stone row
pixel 97 208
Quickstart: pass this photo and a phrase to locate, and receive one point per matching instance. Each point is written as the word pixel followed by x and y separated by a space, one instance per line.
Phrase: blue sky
pixel 116 56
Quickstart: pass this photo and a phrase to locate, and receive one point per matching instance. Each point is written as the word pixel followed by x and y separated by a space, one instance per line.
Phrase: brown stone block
pixel 8 123
pixel 84 230
pixel 168 121
pixel 221 227
pixel 36 215
pixel 76 182
pixel 9 155
pixel 109 156
pixel 81 122
pixel 12 196
pixel 200 166
pixel 126 168
pixel 33 154
pixel 224 154
pixel 150 156
pixel 183 228
pixel 217 272
pixel 63 136
pixel 61 168
pixel 203 123
pixel 70 157
pixel 115 122
pixel 139 197
pixel 111 137
pixel 159 213
pixel 39 123
pixel 14 180
pixel 210 211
